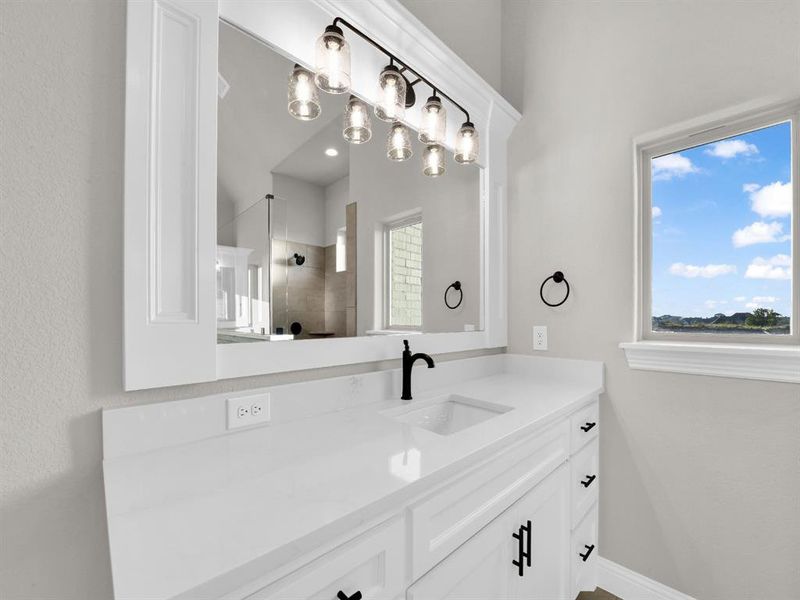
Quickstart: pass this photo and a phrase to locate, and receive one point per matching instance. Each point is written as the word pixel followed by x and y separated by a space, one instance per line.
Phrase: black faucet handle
pixel 405 343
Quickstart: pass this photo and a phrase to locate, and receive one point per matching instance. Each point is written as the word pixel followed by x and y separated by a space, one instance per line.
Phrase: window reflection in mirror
pixel 320 238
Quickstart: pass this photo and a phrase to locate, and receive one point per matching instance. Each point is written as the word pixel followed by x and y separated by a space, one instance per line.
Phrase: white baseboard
pixel 630 585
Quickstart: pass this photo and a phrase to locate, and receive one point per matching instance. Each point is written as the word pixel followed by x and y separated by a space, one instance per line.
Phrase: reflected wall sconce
pixel 303 96
pixel 398 146
pixel 395 95
pixel 357 124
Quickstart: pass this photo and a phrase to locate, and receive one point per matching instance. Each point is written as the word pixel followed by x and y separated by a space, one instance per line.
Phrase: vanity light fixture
pixel 303 95
pixel 333 61
pixel 391 105
pixel 433 160
pixel 331 152
pixel 466 144
pixel 395 95
pixel 357 124
pixel 433 121
pixel 398 146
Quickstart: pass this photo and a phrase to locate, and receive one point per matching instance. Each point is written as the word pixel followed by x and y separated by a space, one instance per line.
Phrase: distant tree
pixel 763 317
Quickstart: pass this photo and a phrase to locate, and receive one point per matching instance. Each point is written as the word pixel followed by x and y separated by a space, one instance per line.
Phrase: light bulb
pixel 303 96
pixel 466 144
pixel 433 160
pixel 432 124
pixel 357 124
pixel 333 61
pixel 391 105
pixel 398 146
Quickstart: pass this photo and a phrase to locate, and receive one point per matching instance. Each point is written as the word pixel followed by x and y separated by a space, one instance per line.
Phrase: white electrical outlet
pixel 244 411
pixel 540 337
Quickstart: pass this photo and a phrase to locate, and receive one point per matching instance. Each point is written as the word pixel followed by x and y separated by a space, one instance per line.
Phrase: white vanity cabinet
pixel 584 486
pixel 520 525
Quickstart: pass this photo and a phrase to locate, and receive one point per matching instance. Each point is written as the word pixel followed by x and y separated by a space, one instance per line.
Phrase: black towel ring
pixel 558 277
pixel 456 285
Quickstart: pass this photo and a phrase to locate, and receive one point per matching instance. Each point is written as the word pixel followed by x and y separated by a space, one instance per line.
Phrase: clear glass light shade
pixel 391 104
pixel 433 121
pixel 357 124
pixel 398 146
pixel 303 95
pixel 433 160
pixel 333 62
pixel 466 144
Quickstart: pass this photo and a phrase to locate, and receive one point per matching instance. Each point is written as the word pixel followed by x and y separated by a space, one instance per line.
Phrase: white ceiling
pixel 310 163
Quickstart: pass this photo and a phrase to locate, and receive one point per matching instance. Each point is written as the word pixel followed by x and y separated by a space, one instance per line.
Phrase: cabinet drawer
pixel 373 564
pixel 584 426
pixel 444 521
pixel 584 480
pixel 584 554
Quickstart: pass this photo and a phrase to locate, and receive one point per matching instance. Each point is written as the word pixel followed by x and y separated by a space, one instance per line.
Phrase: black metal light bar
pixel 394 59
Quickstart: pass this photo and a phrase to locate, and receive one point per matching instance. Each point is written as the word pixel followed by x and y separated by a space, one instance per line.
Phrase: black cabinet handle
pixel 342 596
pixel 585 556
pixel 588 426
pixel 589 480
pixel 524 547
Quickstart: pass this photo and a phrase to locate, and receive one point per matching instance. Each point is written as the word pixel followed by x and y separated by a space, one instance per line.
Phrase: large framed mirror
pixel 257 242
pixel 319 237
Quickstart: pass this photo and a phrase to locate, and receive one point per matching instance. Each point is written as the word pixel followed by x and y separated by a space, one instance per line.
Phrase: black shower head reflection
pixel 299 259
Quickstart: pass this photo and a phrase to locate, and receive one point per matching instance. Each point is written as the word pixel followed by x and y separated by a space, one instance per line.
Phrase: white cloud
pixel 656 212
pixel 672 165
pixel 759 233
pixel 777 267
pixel 707 271
pixel 749 188
pixel 773 200
pixel 740 298
pixel 762 302
pixel 731 148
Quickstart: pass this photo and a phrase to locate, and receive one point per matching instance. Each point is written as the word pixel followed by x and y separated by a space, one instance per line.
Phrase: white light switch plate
pixel 244 411
pixel 540 337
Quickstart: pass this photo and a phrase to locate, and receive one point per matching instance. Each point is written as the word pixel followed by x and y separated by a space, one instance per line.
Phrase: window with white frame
pixel 719 220
pixel 404 274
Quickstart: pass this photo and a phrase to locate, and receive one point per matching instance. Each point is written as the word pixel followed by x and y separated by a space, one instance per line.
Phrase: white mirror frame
pixel 170 182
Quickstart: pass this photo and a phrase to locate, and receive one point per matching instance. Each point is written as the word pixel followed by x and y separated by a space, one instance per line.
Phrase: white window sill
pixel 743 361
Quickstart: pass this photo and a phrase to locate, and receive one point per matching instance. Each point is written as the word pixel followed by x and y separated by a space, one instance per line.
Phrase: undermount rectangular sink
pixel 450 414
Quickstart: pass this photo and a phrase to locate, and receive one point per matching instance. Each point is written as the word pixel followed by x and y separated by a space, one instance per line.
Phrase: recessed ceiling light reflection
pixel 331 152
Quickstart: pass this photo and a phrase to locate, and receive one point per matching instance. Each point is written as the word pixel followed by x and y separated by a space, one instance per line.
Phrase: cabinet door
pixel 547 508
pixel 480 569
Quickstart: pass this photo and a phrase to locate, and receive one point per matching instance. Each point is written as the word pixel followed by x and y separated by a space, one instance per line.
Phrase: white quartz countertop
pixel 200 517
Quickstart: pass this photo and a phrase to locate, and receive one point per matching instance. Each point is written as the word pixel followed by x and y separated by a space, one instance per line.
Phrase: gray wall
pixel 700 475
pixel 470 27
pixel 62 123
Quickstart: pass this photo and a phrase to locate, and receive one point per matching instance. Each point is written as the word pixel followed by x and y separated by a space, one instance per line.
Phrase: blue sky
pixel 722 226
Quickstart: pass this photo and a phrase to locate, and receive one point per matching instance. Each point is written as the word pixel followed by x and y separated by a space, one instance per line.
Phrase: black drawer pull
pixel 524 547
pixel 588 426
pixel 585 556
pixel 342 596
pixel 589 480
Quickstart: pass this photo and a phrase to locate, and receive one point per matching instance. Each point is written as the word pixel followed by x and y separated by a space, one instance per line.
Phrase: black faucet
pixel 408 362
